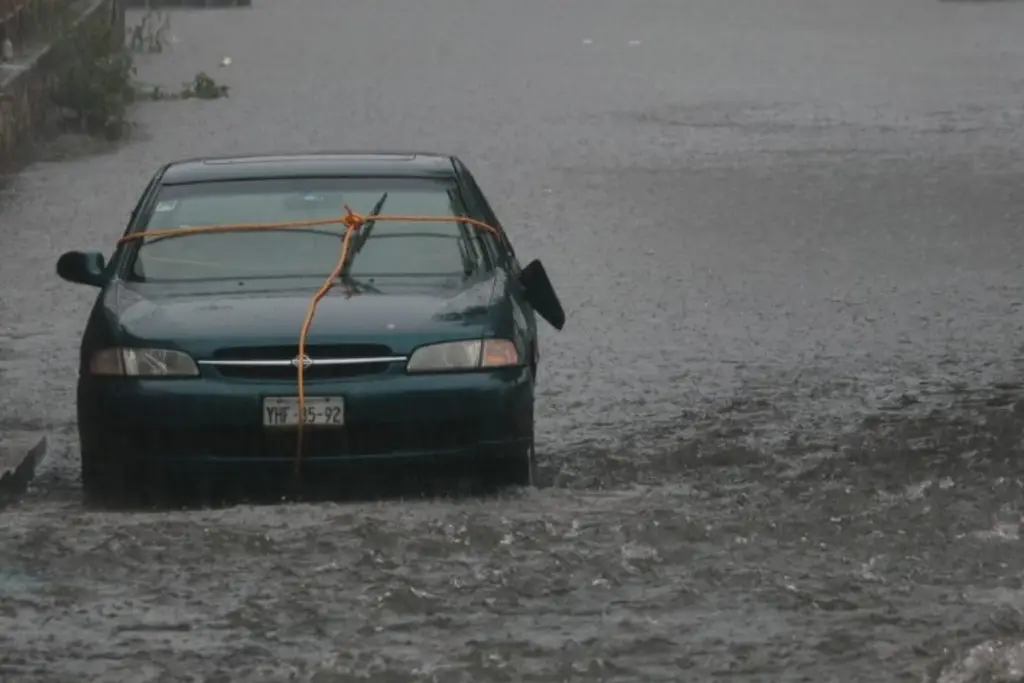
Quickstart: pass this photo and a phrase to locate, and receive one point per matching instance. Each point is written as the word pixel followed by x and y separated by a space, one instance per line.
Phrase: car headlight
pixel 128 362
pixel 463 355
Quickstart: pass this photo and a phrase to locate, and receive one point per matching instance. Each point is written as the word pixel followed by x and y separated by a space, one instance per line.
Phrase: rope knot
pixel 352 220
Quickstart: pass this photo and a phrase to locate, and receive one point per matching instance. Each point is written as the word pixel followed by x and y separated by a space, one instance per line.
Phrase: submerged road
pixel 780 434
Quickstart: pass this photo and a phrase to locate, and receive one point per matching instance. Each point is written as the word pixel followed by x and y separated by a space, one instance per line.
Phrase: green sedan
pixel 424 346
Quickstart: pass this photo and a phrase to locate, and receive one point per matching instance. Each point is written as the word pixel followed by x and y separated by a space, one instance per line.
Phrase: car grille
pixel 290 373
pixel 358 438
pixel 292 350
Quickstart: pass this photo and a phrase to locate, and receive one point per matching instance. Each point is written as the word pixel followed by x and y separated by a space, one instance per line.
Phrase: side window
pixel 133 217
pixel 503 243
pixel 143 198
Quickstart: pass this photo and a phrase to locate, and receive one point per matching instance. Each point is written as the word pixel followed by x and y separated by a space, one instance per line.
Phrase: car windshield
pixel 391 249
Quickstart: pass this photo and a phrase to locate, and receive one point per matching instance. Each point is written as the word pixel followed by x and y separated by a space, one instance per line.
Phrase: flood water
pixel 779 438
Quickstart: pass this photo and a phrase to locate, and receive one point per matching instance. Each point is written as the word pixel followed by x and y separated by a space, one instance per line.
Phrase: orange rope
pixel 353 222
pixel 296 225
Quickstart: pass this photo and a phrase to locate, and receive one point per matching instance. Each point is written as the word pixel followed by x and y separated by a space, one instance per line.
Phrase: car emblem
pixel 305 360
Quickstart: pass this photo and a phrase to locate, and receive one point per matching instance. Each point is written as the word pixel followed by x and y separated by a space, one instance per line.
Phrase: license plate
pixel 318 411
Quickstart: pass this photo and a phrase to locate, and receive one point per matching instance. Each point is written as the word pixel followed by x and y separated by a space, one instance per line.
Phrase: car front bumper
pixel 218 422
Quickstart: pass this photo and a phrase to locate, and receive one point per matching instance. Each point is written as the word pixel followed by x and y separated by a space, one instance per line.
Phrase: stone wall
pixel 26 111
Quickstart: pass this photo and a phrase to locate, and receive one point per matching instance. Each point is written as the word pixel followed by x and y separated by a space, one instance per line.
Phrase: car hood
pixel 201 317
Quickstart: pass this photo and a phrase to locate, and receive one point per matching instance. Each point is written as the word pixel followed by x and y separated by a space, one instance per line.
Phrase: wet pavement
pixel 779 436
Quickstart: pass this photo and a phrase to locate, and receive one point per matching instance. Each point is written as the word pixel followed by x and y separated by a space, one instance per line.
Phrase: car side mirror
pixel 541 295
pixel 83 268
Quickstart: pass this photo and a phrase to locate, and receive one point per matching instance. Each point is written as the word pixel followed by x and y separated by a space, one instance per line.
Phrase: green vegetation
pixel 150 34
pixel 97 83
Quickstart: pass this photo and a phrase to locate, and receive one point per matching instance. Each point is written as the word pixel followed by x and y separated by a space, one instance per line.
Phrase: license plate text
pixel 318 411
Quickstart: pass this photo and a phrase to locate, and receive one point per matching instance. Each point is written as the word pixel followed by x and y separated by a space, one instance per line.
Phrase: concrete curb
pixel 17 468
pixel 185 4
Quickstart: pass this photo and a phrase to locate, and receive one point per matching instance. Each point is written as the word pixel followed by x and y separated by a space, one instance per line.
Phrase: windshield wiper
pixel 360 238
pixel 469 264
pixel 358 285
pixel 367 226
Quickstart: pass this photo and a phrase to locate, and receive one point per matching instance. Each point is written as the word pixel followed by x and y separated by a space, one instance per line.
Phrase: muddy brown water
pixel 780 436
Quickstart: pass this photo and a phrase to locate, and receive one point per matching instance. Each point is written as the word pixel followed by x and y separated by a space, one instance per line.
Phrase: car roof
pixel 310 164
